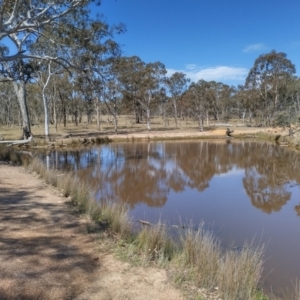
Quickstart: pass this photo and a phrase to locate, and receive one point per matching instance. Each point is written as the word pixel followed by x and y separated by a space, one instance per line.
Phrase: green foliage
pixel 282 119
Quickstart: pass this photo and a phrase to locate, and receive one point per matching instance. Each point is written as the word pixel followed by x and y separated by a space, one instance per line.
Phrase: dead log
pixel 144 222
pixel 16 142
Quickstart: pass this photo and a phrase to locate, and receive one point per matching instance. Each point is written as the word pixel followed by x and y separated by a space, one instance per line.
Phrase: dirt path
pixel 45 252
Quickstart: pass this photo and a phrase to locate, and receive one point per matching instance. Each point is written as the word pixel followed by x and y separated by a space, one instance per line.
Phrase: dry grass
pixel 201 253
pixel 296 295
pixel 239 272
pixel 126 124
pixel 12 155
pixel 116 214
pixel 154 244
pixel 234 274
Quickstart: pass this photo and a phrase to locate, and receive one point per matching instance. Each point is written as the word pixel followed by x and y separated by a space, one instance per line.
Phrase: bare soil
pixel 46 251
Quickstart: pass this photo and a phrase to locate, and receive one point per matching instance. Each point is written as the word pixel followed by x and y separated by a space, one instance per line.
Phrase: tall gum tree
pixel 268 76
pixel 177 84
pixel 23 22
pixel 141 83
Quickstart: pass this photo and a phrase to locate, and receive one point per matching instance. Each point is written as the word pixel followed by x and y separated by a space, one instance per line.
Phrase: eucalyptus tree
pixel 218 97
pixel 197 94
pixel 127 70
pixel 151 79
pixel 111 99
pixel 269 76
pixel 246 103
pixel 177 84
pixel 19 72
pixel 43 81
pixel 294 90
pixel 27 22
pixel 141 83
pixel 96 54
pixel 23 21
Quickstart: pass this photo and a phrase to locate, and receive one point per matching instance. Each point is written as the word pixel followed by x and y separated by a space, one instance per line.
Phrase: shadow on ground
pixel 45 252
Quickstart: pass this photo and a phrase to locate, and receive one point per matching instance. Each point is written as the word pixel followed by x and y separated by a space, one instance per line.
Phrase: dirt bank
pixel 46 251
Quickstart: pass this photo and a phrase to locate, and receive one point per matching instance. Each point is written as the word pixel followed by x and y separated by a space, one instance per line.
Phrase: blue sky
pixel 207 39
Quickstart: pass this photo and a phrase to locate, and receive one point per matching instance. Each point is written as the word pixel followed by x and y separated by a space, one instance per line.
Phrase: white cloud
pixel 255 47
pixel 190 66
pixel 217 73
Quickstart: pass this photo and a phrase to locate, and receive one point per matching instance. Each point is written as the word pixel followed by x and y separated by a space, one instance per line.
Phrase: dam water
pixel 242 191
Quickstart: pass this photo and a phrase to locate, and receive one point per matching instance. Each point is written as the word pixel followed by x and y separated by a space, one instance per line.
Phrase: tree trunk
pixel 21 95
pixel 207 118
pixel 46 113
pixel 64 112
pixel 98 114
pixel 148 118
pixel 54 114
pixel 244 114
pixel 175 111
pixel 116 124
pixel 200 121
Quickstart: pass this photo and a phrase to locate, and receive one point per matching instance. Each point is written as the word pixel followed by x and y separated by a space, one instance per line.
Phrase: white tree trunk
pixel 21 95
pixel 148 118
pixel 175 110
pixel 98 114
pixel 46 113
pixel 200 120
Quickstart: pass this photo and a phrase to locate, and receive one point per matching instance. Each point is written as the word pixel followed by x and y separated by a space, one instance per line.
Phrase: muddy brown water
pixel 240 190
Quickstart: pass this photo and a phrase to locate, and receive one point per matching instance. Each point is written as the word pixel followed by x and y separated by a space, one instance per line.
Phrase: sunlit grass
pixel 201 253
pixel 154 244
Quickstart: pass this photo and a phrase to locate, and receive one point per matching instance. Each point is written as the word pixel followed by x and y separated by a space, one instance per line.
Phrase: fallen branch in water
pixel 144 222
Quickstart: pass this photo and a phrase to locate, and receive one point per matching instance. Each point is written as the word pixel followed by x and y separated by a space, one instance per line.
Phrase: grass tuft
pixel 154 244
pixel 116 214
pixel 239 272
pixel 201 252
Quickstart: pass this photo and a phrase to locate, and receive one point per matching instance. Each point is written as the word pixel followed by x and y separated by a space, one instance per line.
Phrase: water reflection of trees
pixel 147 172
pixel 265 194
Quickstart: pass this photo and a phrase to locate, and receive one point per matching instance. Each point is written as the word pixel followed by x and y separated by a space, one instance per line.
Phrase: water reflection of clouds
pixel 233 172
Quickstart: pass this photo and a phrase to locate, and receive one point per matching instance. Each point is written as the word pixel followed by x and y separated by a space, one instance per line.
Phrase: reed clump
pixel 239 272
pixel 201 254
pixel 154 244
pixel 116 214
